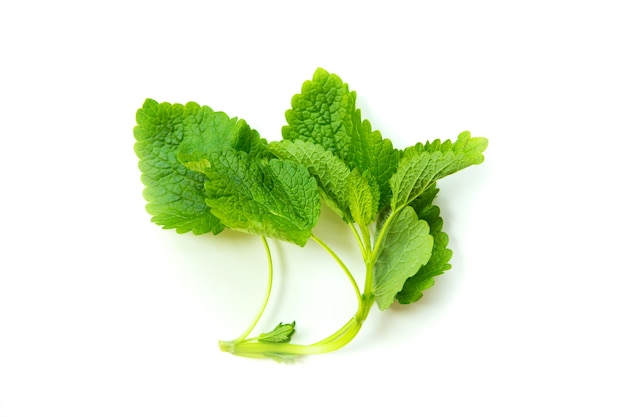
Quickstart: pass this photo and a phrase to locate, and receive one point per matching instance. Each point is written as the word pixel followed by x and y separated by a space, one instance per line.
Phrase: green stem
pixel 383 231
pixel 342 265
pixel 360 240
pixel 337 334
pixel 270 275
pixel 365 232
pixel 369 279
pixel 373 255
pixel 253 348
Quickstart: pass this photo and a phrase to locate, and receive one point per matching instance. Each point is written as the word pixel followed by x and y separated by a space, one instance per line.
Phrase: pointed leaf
pixel 282 333
pixel 371 153
pixel 422 165
pixel 363 197
pixel 471 148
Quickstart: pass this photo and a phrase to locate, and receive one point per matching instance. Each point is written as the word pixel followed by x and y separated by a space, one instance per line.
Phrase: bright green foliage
pixel 331 173
pixel 281 334
pixel 363 198
pixel 421 166
pixel 468 150
pixel 174 193
pixel 209 131
pixel 205 171
pixel 438 262
pixel 272 198
pixel 407 246
pixel 323 113
pixel 371 153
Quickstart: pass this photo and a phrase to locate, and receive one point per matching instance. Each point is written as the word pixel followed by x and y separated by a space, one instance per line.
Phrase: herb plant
pixel 204 171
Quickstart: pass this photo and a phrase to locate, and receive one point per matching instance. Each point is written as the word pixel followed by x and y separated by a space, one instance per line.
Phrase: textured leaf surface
pixel 375 155
pixel 175 194
pixel 331 173
pixel 441 255
pixel 272 198
pixel 207 131
pixel 422 165
pixel 323 113
pixel 363 197
pixel 406 247
pixel 471 148
pixel 282 333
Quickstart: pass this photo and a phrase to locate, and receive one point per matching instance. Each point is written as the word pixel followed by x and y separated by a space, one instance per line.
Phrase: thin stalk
pixel 364 240
pixel 337 334
pixel 270 275
pixel 351 327
pixel 342 265
pixel 336 341
pixel 365 232
pixel 254 348
pixel 362 244
pixel 381 236
pixel 369 279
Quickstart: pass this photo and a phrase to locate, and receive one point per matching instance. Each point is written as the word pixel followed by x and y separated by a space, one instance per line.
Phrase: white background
pixel 102 313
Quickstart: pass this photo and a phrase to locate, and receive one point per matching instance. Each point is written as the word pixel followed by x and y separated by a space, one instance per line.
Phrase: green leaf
pixel 373 154
pixel 422 165
pixel 205 171
pixel 414 175
pixel 281 334
pixel 441 255
pixel 323 113
pixel 407 245
pixel 470 148
pixel 347 193
pixel 331 173
pixel 207 131
pixel 175 194
pixel 363 197
pixel 272 198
